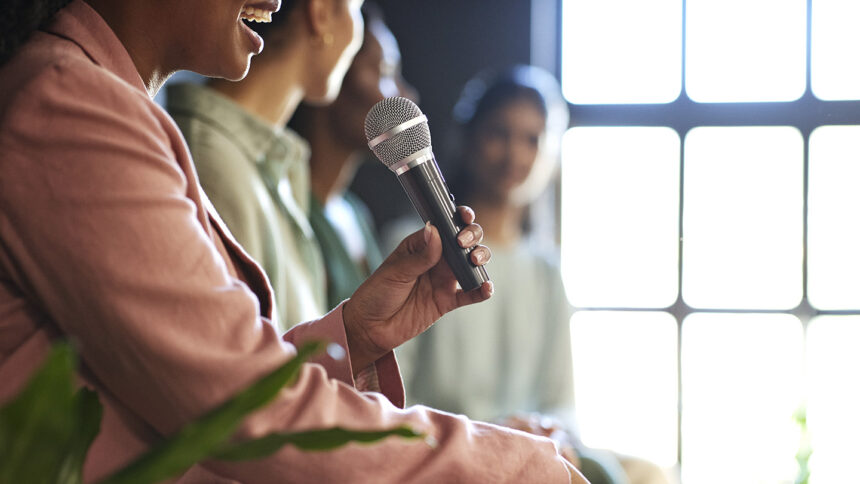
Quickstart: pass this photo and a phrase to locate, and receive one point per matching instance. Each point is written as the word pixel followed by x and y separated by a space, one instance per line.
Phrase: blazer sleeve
pixel 100 232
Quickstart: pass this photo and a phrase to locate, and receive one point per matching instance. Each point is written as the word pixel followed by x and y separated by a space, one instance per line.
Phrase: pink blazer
pixel 107 239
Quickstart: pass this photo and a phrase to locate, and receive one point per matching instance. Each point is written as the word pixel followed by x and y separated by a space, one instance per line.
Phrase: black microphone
pixel 398 134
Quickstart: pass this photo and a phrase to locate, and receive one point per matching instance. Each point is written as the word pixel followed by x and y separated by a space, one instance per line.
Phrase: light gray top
pixel 509 354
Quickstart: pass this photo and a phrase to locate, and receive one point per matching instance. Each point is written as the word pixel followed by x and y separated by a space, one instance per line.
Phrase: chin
pixel 332 90
pixel 320 99
pixel 233 71
pixel 240 72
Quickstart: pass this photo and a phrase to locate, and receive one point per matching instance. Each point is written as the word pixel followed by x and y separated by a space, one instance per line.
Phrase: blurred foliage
pixel 46 430
pixel 804 450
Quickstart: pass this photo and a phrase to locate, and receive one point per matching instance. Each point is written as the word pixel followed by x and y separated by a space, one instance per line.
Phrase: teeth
pixel 256 15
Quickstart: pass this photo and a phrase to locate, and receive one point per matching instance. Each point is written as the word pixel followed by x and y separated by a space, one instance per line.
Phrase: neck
pixel 333 161
pixel 502 222
pixel 271 91
pixel 143 45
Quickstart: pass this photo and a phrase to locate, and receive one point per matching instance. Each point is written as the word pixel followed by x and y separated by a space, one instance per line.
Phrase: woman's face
pixel 218 42
pixel 347 35
pixel 373 76
pixel 505 148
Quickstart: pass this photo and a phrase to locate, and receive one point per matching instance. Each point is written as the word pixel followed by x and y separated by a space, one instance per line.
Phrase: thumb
pixel 416 254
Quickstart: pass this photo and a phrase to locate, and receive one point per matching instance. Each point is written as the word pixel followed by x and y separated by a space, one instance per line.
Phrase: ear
pixel 319 16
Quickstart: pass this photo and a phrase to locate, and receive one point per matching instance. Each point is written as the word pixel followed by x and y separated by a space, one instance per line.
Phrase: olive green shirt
pixel 258 179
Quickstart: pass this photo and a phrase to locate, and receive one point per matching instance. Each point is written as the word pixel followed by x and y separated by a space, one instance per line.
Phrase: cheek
pixel 490 156
pixel 218 46
pixel 526 155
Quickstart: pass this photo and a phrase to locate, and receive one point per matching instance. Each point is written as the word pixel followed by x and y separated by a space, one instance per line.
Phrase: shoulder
pixel 213 150
pixel 57 70
pixel 63 116
pixel 51 91
pixel 218 158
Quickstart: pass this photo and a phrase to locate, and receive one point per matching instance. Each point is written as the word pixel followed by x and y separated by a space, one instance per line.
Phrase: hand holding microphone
pixel 414 287
pixel 399 136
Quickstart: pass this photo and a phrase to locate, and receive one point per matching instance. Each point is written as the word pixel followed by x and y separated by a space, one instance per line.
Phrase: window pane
pixel 621 51
pixel 746 50
pixel 626 382
pixel 834 422
pixel 740 389
pixel 835 39
pixel 834 208
pixel 743 217
pixel 620 211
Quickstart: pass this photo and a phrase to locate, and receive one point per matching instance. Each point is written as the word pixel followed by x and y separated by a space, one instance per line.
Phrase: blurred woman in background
pixel 509 360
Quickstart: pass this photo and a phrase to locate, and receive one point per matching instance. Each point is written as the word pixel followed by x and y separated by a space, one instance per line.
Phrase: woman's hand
pixel 411 290
pixel 546 426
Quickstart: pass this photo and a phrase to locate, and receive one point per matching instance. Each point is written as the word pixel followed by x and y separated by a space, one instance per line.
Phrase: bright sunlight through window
pixel 621 51
pixel 746 50
pixel 835 37
pixel 636 353
pixel 741 385
pixel 833 419
pixel 620 239
pixel 743 218
pixel 834 209
pixel 711 234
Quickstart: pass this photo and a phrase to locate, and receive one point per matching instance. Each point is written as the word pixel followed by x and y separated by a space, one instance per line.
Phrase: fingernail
pixel 427 233
pixel 492 287
pixel 466 238
pixel 480 257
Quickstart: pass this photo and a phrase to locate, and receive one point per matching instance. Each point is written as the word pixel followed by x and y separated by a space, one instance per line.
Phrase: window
pixel 711 232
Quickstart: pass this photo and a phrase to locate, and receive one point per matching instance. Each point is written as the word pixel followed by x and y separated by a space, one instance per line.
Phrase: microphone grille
pixel 390 113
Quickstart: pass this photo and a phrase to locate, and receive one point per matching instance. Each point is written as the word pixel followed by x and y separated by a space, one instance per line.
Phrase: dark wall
pixel 443 43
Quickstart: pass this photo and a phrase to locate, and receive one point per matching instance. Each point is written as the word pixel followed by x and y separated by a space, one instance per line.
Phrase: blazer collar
pixel 79 23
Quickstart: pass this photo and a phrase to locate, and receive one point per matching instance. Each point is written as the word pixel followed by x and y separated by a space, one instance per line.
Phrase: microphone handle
pixel 430 196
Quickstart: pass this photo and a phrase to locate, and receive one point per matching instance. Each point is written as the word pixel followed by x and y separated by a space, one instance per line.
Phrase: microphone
pixel 399 136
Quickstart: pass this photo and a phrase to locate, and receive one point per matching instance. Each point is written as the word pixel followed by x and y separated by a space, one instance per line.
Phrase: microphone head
pixel 389 143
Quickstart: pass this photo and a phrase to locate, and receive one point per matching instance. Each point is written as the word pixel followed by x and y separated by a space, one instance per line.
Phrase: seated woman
pixel 335 133
pixel 106 239
pixel 512 355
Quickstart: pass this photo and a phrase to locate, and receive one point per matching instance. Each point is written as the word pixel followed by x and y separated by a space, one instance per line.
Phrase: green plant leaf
pixel 312 440
pixel 198 439
pixel 39 424
pixel 88 419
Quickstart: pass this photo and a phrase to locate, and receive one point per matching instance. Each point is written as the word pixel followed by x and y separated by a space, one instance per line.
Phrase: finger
pixel 480 255
pixel 467 215
pixel 476 295
pixel 470 236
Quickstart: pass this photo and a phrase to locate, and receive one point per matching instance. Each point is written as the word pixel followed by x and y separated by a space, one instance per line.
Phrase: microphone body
pixel 433 201
pixel 397 133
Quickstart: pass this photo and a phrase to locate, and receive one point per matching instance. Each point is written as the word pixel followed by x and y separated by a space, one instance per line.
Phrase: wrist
pixel 356 339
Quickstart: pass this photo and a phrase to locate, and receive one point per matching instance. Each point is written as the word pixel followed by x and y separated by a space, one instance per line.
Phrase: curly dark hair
pixel 19 18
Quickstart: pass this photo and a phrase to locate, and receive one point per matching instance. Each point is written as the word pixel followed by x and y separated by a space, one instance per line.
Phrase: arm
pixel 98 230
